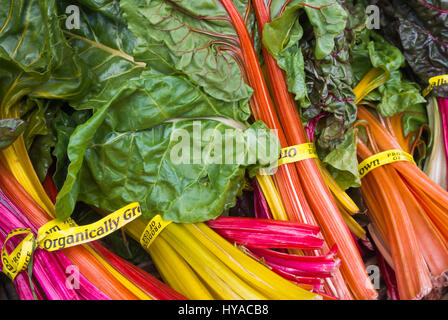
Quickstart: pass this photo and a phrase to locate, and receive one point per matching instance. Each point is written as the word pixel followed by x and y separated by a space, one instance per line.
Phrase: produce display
pixel 224 150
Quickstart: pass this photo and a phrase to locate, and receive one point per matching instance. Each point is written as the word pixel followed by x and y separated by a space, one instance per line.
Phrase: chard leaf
pixel 384 55
pixel 192 37
pixel 105 46
pixel 10 130
pixel 282 35
pixel 40 154
pixel 111 55
pixel 33 112
pixel 319 73
pixel 342 162
pixel 280 38
pixel 35 58
pixel 328 19
pixel 63 125
pixel 180 192
pixel 143 85
pixel 421 35
pixel 132 128
pixel 414 118
pixel 398 95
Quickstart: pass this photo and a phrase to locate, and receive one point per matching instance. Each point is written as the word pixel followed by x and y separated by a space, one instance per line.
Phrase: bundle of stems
pixel 200 264
pixel 303 191
pixel 49 278
pixel 409 211
pixel 116 279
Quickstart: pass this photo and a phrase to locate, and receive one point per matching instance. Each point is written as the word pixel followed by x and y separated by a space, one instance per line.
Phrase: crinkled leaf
pixel 40 154
pixel 414 118
pixel 329 83
pixel 282 32
pixel 384 55
pixel 35 58
pixel 109 49
pixel 321 79
pixel 33 112
pixel 180 192
pixel 105 46
pixel 398 95
pixel 421 32
pixel 62 127
pixel 328 18
pixel 280 38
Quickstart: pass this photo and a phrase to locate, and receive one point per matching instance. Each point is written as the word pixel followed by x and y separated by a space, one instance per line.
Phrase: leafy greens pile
pixel 110 99
pixel 420 33
pixel 325 49
pixel 107 100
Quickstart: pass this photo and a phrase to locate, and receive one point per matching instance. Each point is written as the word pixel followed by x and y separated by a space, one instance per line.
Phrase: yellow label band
pixel 381 159
pixel 73 236
pixel 56 235
pixel 152 230
pixel 53 226
pixel 435 82
pixel 297 153
pixel 20 257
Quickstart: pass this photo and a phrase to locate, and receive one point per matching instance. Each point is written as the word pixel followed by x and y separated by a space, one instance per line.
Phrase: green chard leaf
pixel 319 72
pixel 35 58
pixel 149 88
pixel 397 94
pixel 195 38
pixel 342 162
pixel 10 130
pixel 102 149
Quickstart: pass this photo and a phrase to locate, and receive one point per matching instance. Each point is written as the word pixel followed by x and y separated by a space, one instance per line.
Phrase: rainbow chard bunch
pixel 48 278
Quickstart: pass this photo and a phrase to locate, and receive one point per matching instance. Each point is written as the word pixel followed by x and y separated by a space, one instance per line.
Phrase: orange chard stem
pixel 286 178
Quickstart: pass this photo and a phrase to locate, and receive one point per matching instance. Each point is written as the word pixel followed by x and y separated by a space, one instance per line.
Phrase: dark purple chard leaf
pixel 329 83
pixel 10 130
pixel 422 33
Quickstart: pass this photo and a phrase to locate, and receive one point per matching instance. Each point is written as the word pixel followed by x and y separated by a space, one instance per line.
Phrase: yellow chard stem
pixel 176 272
pixel 208 265
pixel 357 230
pixel 272 197
pixel 340 195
